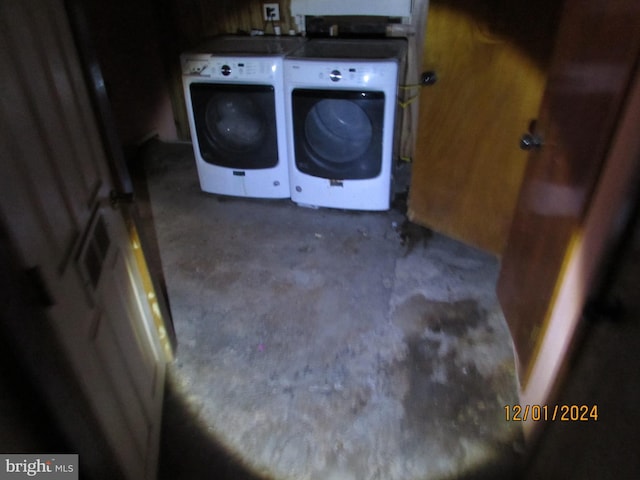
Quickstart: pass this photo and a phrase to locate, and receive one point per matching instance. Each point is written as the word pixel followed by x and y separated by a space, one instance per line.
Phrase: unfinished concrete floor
pixel 314 344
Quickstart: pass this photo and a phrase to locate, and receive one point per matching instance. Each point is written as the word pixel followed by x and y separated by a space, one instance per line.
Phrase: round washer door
pixel 338 134
pixel 235 124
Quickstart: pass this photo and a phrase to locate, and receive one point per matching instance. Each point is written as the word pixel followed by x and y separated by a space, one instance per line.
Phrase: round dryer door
pixel 338 130
pixel 235 124
pixel 338 134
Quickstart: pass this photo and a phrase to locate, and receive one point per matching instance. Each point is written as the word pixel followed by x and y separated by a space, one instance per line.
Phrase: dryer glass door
pixel 235 124
pixel 338 133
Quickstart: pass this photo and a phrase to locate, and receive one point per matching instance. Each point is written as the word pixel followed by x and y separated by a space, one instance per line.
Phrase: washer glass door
pixel 235 124
pixel 338 133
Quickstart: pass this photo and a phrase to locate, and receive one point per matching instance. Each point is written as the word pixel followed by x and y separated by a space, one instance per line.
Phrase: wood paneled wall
pixel 231 16
pixel 192 20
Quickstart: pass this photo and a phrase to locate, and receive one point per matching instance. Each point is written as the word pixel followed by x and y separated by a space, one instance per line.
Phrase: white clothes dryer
pixel 341 107
pixel 234 94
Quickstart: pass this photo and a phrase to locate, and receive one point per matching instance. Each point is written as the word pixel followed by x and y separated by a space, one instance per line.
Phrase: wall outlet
pixel 271 11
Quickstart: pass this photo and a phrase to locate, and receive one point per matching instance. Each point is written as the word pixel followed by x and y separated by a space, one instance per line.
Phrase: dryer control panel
pixel 341 74
pixel 231 68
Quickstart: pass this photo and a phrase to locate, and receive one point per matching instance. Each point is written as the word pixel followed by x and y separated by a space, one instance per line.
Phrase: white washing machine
pixel 234 93
pixel 341 107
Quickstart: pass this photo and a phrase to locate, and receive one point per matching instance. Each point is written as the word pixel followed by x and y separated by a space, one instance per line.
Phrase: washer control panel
pixel 238 68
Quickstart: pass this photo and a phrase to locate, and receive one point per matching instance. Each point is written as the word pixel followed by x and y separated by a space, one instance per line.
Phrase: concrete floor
pixel 325 344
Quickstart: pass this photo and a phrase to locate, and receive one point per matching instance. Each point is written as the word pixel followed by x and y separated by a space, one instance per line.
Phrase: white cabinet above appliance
pixel 386 8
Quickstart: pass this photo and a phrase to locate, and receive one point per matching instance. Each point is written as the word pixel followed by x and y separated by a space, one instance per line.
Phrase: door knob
pixel 428 78
pixel 530 141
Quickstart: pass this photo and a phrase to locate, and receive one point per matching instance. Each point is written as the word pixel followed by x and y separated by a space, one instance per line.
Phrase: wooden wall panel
pixel 229 16
pixel 201 18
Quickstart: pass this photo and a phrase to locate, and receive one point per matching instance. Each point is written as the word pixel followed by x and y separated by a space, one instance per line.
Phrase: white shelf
pixel 386 8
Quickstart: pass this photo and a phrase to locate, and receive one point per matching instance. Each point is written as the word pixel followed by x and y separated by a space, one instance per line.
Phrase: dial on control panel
pixel 335 75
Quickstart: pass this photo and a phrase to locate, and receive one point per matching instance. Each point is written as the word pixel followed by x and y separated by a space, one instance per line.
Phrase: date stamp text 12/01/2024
pixel 553 413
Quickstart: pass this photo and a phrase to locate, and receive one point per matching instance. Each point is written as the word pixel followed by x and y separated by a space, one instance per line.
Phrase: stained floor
pixel 325 344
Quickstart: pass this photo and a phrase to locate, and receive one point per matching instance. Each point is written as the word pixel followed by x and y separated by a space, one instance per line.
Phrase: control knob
pixel 335 76
pixel 226 70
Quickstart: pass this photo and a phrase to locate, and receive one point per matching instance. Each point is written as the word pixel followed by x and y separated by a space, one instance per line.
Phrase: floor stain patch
pixel 448 395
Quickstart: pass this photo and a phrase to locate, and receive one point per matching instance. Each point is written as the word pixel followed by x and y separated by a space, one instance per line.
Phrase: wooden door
pixel 54 202
pixel 598 47
pixel 490 58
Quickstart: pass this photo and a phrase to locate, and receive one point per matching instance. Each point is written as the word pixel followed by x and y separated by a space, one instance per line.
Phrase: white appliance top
pixel 351 49
pixel 242 45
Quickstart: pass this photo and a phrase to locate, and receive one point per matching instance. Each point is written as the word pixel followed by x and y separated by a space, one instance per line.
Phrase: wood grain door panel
pixel 491 72
pixel 597 49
